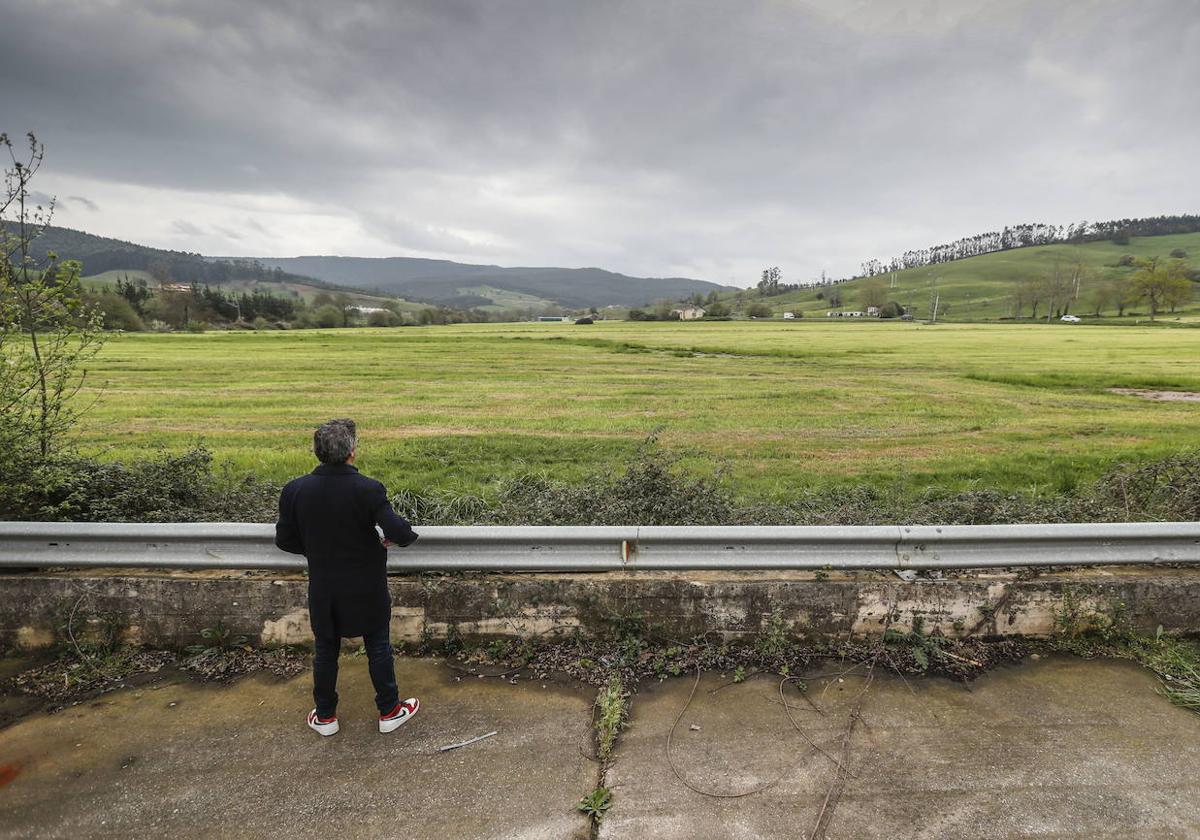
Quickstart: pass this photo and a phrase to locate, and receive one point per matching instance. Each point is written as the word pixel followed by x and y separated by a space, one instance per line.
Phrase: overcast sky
pixel 706 139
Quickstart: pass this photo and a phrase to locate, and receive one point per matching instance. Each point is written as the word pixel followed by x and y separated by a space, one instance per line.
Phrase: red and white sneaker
pixel 400 715
pixel 322 726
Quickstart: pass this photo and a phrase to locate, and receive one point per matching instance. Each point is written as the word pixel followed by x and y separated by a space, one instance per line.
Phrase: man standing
pixel 329 516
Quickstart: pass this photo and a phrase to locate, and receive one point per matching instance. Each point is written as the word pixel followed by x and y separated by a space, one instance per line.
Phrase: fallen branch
pixel 959 658
pixel 466 743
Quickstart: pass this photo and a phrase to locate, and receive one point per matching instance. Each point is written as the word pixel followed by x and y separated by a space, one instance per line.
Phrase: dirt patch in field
pixel 1158 396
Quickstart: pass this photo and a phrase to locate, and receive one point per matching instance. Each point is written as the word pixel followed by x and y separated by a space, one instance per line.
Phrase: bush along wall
pixel 651 489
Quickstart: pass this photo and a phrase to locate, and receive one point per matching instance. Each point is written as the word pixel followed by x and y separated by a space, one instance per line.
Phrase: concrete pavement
pixel 1051 749
pixel 186 760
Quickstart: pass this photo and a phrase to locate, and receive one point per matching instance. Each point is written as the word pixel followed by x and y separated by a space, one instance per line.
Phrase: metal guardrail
pixel 595 549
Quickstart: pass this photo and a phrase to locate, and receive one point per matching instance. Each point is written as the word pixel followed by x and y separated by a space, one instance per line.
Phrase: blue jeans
pixel 379 662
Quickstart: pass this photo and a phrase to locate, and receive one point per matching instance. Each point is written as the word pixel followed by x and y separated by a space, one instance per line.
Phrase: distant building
pixel 872 311
pixel 366 310
pixel 689 313
pixel 788 316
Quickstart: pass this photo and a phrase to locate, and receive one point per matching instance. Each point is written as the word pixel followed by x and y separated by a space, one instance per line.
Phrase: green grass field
pixel 981 288
pixel 506 298
pixel 110 278
pixel 783 405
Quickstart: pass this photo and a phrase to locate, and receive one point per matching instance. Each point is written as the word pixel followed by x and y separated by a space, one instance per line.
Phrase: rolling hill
pixel 295 288
pixel 448 283
pixel 983 287
pixel 422 281
pixel 105 259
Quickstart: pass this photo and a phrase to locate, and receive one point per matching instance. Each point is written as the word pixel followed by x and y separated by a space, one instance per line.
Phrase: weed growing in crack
pixel 596 804
pixel 612 707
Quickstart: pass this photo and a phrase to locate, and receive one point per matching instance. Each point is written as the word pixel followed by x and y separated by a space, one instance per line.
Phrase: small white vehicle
pixel 1070 319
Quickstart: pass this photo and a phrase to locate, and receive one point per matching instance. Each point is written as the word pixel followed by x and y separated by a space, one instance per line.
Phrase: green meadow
pixel 776 406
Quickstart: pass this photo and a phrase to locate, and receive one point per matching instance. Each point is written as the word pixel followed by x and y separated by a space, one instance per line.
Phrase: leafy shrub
pixel 653 488
pixel 328 316
pixel 1167 490
pixel 118 313
pixel 383 318
pixel 168 488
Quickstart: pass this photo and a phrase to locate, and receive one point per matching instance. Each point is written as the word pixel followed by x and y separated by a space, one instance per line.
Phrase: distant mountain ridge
pixel 442 281
pixel 100 254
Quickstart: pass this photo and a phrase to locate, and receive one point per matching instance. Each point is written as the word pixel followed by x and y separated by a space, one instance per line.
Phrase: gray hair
pixel 334 440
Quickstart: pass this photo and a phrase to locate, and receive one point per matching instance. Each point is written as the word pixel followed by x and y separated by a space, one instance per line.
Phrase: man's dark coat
pixel 329 516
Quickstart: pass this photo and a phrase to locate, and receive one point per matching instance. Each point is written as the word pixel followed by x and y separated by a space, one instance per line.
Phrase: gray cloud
pixel 42 199
pixel 86 203
pixel 707 138
pixel 186 228
pixel 228 233
pixel 259 228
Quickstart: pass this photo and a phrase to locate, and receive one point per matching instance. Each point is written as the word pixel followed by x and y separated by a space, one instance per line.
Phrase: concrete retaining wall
pixel 168 609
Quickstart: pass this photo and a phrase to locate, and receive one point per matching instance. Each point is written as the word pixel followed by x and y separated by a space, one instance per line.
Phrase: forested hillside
pixel 1086 278
pixel 100 254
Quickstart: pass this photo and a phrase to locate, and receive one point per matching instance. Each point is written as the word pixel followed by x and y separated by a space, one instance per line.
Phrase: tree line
pixel 1163 285
pixel 1118 231
pixel 133 304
